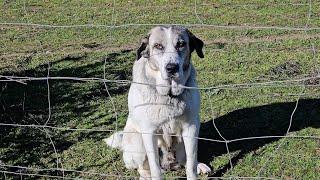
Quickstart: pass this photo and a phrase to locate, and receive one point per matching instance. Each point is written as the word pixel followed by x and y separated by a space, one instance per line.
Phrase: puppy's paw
pixel 203 168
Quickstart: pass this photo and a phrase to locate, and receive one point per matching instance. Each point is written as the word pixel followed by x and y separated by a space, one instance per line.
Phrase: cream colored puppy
pixel 164 107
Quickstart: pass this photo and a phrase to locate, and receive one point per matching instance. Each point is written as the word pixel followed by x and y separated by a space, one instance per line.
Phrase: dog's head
pixel 168 50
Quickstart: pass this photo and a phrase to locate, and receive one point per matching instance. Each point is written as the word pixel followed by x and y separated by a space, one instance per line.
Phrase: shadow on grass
pixel 70 100
pixel 264 120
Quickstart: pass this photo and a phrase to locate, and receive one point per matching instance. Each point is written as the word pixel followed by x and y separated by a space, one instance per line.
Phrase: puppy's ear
pixel 143 50
pixel 195 44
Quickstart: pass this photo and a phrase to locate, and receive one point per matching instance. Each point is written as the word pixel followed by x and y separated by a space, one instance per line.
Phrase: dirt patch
pixel 91 45
pixel 220 43
pixel 74 56
pixel 315 80
pixel 289 68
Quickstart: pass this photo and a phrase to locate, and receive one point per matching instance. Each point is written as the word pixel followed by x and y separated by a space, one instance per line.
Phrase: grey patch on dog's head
pixel 143 50
pixel 195 44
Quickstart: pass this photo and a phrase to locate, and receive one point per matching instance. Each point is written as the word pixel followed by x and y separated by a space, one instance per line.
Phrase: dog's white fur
pixel 166 109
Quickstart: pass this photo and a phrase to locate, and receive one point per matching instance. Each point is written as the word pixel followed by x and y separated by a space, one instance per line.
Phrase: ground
pixel 248 46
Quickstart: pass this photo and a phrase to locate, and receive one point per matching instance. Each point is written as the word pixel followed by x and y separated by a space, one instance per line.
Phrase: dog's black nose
pixel 172 68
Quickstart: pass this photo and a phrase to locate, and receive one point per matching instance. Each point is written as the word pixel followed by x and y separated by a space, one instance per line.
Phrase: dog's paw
pixel 203 168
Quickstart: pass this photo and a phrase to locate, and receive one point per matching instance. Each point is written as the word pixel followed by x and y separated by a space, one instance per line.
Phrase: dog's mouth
pixel 170 86
pixel 174 76
pixel 175 89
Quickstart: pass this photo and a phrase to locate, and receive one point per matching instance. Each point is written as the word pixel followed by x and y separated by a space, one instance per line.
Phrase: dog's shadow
pixel 267 120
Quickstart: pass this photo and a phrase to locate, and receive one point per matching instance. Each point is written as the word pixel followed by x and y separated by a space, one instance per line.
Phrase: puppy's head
pixel 168 49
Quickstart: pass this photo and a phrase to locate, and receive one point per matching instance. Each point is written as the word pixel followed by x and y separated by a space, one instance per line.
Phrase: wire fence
pixel 64 173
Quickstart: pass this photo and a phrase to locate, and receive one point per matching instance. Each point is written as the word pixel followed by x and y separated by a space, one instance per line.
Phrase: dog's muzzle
pixel 172 69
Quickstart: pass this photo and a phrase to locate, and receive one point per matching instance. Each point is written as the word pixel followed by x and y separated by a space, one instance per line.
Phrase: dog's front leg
pixel 151 147
pixel 189 133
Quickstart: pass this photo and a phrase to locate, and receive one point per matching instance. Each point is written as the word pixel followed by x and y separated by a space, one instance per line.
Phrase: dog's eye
pixel 158 46
pixel 180 44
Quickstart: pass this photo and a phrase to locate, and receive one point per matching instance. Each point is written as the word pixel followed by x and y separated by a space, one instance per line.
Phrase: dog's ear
pixel 143 50
pixel 195 44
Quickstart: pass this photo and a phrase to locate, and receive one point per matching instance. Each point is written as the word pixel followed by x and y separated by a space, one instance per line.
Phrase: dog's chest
pixel 157 108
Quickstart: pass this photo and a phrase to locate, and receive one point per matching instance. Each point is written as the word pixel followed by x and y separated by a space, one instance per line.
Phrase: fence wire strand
pixel 237 27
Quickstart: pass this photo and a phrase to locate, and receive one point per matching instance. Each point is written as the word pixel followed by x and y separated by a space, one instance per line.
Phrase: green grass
pixel 231 56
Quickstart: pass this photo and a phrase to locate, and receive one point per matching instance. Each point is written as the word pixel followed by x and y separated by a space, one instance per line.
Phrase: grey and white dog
pixel 163 108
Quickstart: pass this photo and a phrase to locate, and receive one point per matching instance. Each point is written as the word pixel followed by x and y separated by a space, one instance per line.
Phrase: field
pixel 247 43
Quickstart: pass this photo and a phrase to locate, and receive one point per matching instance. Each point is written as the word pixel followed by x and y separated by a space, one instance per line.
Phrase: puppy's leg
pixel 180 153
pixel 190 131
pixel 151 147
pixel 167 155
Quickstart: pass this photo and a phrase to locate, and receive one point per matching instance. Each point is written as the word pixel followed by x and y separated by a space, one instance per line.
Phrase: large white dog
pixel 163 114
